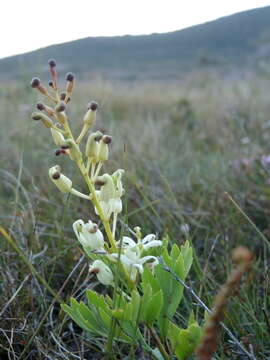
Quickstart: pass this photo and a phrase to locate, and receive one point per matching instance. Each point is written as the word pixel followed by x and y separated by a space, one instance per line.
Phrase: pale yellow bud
pixel 57 137
pixel 44 118
pixel 92 146
pixel 103 151
pixel 63 183
pixel 60 112
pixel 90 116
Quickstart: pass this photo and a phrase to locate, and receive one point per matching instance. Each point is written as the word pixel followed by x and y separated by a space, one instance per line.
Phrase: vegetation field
pixel 196 151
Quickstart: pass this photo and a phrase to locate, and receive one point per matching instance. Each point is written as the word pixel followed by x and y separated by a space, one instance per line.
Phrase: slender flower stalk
pixel 117 260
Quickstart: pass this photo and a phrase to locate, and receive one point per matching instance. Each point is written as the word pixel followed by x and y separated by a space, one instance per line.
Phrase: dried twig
pixel 205 307
pixel 209 342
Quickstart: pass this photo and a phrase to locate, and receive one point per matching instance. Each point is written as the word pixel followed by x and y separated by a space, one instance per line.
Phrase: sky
pixel 31 24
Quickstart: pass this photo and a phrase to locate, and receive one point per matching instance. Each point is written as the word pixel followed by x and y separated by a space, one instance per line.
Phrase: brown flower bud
pixel 69 77
pixel 56 175
pixel 40 106
pixel 107 139
pixel 52 63
pixel 93 105
pixel 57 152
pixel 62 96
pixel 35 82
pixel 36 116
pixel 60 107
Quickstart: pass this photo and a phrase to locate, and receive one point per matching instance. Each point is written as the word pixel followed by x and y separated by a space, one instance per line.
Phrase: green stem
pixel 94 198
pixel 159 343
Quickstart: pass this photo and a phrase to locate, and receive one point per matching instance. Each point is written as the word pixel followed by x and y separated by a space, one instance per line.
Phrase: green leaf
pixel 147 295
pixel 76 318
pixel 167 259
pixel 179 267
pixel 175 252
pixel 184 341
pixel 148 278
pixel 154 307
pixel 90 317
pixel 97 300
pixel 136 306
pixel 187 253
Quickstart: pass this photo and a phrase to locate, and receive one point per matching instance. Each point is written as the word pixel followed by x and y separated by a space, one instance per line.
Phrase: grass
pixel 185 146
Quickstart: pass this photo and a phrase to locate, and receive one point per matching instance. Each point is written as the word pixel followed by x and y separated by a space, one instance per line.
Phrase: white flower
pixel 146 243
pixel 132 261
pixel 89 235
pixel 103 272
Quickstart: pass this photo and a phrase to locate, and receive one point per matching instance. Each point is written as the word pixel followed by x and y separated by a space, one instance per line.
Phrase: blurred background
pixel 183 89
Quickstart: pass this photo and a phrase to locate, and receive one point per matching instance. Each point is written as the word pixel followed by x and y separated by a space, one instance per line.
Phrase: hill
pixel 229 40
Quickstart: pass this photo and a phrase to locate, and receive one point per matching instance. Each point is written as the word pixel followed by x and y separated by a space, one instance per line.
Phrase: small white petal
pixel 148 238
pixel 153 243
pixel 147 258
pixel 139 267
pixel 127 241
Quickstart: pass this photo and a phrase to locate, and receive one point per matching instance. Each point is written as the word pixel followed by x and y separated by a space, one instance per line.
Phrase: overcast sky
pixel 26 25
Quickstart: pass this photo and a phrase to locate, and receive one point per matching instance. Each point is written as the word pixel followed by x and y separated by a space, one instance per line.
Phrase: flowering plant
pixel 141 295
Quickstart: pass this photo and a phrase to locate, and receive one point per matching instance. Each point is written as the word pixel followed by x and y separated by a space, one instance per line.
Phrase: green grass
pixel 184 146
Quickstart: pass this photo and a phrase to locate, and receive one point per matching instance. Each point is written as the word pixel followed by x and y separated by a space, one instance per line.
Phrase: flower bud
pixel 74 150
pixel 52 63
pixel 62 96
pixel 60 112
pixel 89 235
pixel 45 119
pixel 58 138
pixel 47 109
pixel 35 82
pixel 63 183
pixel 70 84
pixel 92 146
pixel 103 272
pixel 103 151
pixel 93 105
pixel 61 106
pixel 90 116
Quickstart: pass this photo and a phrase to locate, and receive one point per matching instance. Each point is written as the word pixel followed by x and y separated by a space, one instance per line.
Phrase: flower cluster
pixel 105 190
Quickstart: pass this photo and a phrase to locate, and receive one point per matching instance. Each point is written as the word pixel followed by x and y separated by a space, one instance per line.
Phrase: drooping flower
pixel 92 146
pixel 58 138
pixel 89 235
pixel 103 272
pixel 63 183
